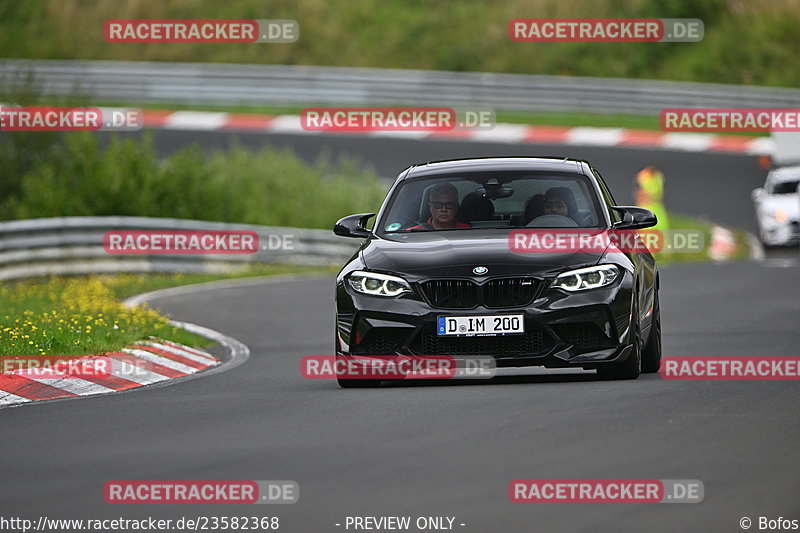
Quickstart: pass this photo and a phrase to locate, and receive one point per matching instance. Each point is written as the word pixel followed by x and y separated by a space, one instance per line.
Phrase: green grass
pixel 75 316
pixel 744 43
pixel 84 315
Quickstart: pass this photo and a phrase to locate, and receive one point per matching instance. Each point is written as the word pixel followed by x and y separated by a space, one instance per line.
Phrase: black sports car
pixel 438 274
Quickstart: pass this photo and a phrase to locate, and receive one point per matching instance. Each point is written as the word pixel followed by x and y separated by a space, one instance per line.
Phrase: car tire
pixel 631 367
pixel 651 355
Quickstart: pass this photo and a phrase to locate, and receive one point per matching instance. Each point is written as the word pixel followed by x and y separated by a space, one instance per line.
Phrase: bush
pixel 76 177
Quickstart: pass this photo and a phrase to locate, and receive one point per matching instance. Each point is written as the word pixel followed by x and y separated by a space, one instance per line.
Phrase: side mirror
pixel 635 218
pixel 353 226
pixel 757 194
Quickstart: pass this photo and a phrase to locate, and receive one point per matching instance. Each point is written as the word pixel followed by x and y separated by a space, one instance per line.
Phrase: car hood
pixel 788 202
pixel 456 253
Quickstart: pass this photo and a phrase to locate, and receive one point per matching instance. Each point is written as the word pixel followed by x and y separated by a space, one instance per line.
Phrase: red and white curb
pixel 143 363
pixel 501 133
pixel 723 244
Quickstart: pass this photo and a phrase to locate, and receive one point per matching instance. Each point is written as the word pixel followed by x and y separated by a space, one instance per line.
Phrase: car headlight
pixel 780 215
pixel 376 284
pixel 587 278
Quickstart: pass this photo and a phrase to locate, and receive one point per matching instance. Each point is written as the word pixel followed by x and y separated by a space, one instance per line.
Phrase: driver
pixel 443 205
pixel 560 201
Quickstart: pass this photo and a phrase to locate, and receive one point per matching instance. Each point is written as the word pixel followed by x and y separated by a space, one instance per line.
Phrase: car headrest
pixel 475 206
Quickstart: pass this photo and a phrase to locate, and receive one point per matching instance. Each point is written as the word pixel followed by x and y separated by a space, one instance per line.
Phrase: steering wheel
pixel 552 221
pixel 404 221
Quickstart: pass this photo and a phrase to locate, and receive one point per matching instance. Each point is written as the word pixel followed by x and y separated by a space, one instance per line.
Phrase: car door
pixel 644 263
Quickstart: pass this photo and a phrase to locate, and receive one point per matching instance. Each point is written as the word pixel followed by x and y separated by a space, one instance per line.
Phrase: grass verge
pixel 683 222
pixel 84 315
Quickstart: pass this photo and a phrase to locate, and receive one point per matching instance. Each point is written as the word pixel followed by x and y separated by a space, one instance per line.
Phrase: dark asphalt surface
pixel 436 450
pixel 447 450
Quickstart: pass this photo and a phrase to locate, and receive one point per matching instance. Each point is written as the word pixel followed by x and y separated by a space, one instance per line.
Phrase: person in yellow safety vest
pixel 650 194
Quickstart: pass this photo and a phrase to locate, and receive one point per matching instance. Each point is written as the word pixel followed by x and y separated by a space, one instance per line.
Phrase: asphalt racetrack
pixel 448 449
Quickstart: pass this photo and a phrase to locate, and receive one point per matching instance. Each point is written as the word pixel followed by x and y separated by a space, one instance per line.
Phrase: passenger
pixel 443 206
pixel 534 207
pixel 561 201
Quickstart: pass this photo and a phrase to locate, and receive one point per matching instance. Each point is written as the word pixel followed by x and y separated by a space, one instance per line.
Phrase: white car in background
pixel 777 207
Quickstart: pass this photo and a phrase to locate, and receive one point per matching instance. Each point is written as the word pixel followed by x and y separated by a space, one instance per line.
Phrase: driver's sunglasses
pixel 447 205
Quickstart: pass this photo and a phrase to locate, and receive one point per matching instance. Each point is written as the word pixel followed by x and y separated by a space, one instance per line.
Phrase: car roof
pixel 788 173
pixel 498 164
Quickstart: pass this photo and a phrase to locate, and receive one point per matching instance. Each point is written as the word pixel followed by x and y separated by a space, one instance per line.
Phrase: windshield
pixel 785 187
pixel 492 200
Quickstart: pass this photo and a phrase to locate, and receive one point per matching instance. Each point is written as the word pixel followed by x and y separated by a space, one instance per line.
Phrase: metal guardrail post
pixel 227 84
pixel 74 245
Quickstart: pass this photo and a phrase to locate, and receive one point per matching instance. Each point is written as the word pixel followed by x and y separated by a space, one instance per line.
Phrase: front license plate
pixel 480 325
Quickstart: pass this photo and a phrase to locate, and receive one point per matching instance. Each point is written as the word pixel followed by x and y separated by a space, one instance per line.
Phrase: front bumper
pixel 587 330
pixel 777 233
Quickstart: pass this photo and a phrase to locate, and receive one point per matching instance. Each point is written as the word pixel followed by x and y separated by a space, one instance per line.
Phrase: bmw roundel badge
pixel 480 270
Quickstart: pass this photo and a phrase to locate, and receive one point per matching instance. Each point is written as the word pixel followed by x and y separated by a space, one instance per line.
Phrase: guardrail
pixel 211 83
pixel 74 245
